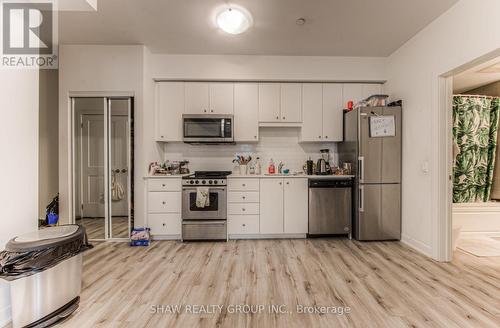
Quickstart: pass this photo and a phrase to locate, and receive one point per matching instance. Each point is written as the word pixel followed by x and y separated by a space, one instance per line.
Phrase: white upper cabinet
pixel 196 98
pixel 246 112
pixel 168 111
pixel 333 112
pixel 291 102
pixel 221 98
pixel 269 102
pixel 295 204
pixel 209 98
pixel 271 206
pixel 322 112
pixel 312 109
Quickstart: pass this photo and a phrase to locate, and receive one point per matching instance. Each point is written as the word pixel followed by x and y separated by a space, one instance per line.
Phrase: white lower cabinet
pixel 243 224
pixel 271 205
pixel 283 206
pixel 295 205
pixel 165 224
pixel 164 203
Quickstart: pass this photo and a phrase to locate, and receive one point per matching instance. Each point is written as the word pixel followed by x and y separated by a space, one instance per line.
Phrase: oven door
pixel 215 211
pixel 207 128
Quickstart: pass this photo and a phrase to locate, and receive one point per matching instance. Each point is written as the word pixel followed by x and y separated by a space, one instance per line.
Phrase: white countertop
pixel 260 176
pixel 263 176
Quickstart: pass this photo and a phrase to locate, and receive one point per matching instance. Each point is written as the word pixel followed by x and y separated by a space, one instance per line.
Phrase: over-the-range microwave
pixel 208 128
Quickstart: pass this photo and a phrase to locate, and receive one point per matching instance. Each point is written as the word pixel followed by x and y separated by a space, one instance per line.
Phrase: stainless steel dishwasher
pixel 330 207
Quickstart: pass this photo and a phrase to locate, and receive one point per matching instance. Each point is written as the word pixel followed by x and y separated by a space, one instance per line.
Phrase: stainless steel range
pixel 205 220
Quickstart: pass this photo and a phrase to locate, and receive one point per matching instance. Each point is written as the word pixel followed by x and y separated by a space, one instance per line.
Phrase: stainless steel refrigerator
pixel 372 143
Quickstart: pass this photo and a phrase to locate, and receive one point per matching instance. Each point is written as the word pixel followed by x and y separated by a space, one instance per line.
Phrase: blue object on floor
pixel 52 218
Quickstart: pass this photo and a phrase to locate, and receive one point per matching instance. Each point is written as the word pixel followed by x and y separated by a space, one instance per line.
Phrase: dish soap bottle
pixel 258 168
pixel 271 169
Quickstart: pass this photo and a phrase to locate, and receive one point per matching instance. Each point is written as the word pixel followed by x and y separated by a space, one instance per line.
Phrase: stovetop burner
pixel 206 178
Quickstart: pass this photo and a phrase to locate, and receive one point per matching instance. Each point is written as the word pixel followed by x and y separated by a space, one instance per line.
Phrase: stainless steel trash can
pixel 44 271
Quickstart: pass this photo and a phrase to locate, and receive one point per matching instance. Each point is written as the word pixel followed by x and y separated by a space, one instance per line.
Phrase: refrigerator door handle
pixel 361 198
pixel 361 165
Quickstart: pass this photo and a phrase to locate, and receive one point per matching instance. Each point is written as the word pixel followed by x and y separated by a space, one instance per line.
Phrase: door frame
pixel 443 192
pixel 107 96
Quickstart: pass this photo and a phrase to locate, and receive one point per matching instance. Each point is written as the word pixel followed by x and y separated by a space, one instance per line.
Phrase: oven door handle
pixel 207 222
pixel 209 189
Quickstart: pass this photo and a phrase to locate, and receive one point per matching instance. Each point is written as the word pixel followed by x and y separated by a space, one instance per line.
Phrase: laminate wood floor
pixel 385 284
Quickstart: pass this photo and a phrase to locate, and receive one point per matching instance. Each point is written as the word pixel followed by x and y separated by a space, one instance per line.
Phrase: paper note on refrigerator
pixel 382 126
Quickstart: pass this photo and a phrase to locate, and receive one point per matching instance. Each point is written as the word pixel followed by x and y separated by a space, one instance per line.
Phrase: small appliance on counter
pixel 169 168
pixel 323 164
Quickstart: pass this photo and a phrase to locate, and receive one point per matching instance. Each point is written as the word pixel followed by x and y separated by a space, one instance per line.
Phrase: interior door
pixel 370 148
pixel 92 166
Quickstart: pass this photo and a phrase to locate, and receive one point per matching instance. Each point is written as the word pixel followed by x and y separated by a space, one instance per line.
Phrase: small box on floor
pixel 140 237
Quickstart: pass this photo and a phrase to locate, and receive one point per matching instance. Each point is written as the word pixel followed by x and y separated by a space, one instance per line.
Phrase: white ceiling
pixel 333 27
pixel 477 76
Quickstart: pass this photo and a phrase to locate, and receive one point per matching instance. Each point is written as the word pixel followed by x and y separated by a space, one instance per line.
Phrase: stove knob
pixel 191 181
pixel 209 181
pixel 215 182
pixel 197 182
pixel 203 182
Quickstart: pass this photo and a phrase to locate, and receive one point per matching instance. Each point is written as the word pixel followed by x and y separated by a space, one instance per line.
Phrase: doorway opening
pixel 475 160
pixel 103 170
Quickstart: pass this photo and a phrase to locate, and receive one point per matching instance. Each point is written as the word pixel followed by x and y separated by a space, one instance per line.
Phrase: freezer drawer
pixel 379 212
pixel 330 210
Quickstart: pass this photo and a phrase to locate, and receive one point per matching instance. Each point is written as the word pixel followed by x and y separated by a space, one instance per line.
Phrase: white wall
pixel 48 124
pixel 19 162
pixel 107 70
pixel 469 30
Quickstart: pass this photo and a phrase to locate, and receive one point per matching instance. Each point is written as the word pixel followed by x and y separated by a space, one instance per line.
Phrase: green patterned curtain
pixel 475 126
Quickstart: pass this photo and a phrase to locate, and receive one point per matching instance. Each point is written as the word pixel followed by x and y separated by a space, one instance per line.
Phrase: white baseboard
pixel 477 217
pixel 268 236
pixel 417 245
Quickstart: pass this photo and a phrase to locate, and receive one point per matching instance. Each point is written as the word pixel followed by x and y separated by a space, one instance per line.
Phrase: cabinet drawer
pixel 243 184
pixel 165 224
pixel 243 224
pixel 243 208
pixel 172 184
pixel 243 197
pixel 164 202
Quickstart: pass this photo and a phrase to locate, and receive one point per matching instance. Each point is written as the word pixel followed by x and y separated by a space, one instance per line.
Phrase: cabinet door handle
pixel 211 111
pixel 243 185
pixel 162 137
pixel 277 117
pixel 255 137
pixel 163 185
pixel 243 197
pixel 281 183
pixel 287 183
pixel 243 209
pixel 244 225
pixel 204 110
pixel 164 224
pixel 283 117
pixel 164 202
pixel 319 137
pixel 326 137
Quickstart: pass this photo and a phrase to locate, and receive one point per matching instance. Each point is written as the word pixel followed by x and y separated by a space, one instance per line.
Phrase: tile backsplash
pixel 280 144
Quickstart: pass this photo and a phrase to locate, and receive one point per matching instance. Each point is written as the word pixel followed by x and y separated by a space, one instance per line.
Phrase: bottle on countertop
pixel 272 168
pixel 258 168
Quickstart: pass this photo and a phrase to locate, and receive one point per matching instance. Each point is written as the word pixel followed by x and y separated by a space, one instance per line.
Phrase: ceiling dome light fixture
pixel 234 20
